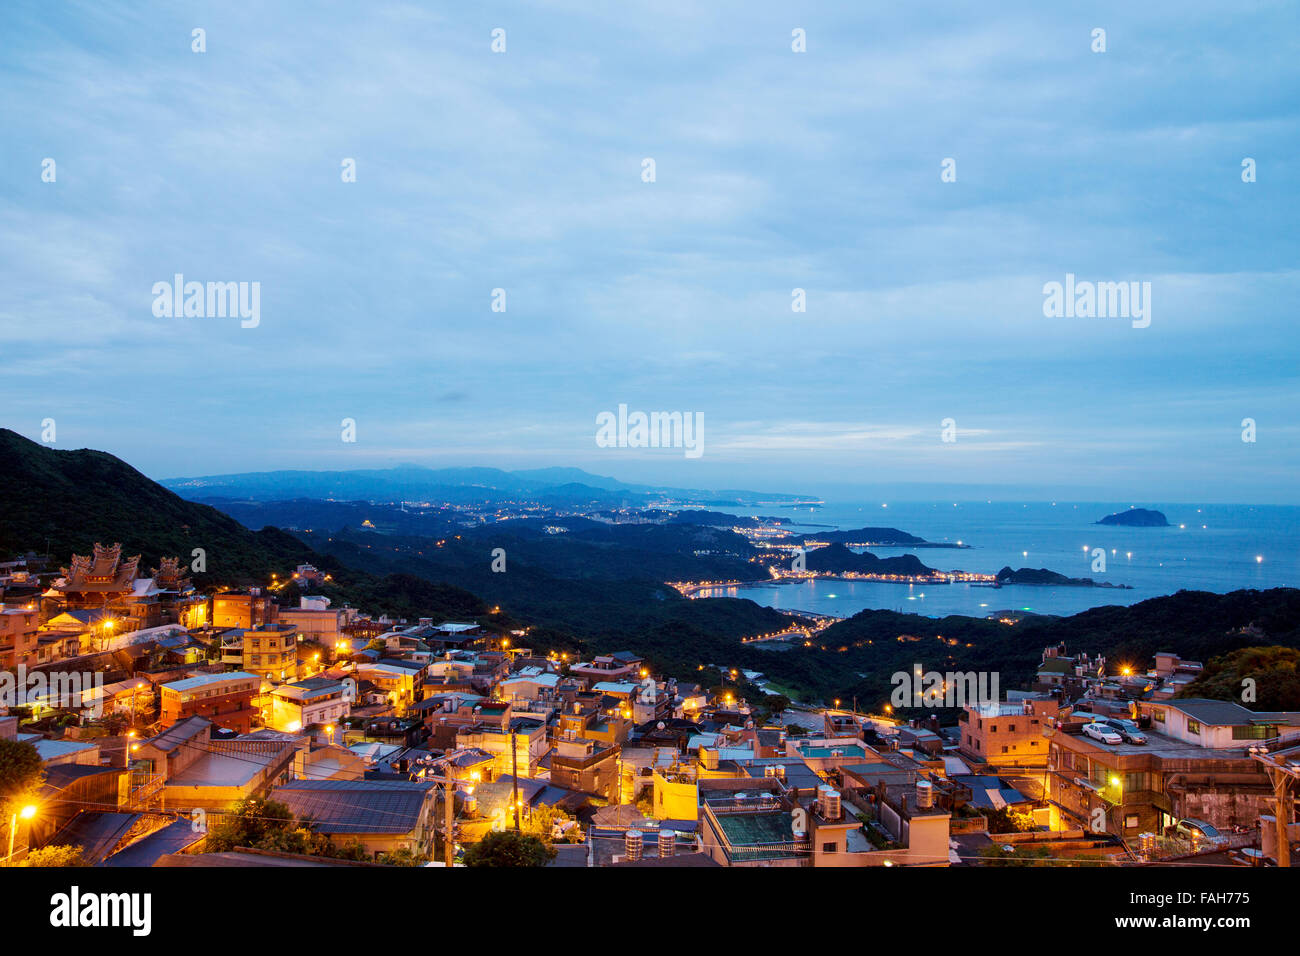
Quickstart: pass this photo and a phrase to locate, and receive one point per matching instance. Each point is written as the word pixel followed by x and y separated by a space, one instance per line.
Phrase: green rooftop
pixel 759 836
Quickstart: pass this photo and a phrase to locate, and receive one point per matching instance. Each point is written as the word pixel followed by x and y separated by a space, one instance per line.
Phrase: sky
pixel 774 170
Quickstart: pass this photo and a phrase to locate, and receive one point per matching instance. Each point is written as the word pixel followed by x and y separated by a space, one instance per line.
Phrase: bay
pixel 1207 547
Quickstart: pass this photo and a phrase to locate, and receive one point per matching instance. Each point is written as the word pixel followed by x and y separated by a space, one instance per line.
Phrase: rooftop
pixel 206 680
pixel 1221 713
pixel 357 806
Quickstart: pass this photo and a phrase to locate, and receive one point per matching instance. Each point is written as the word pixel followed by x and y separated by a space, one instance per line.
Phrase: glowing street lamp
pixel 25 813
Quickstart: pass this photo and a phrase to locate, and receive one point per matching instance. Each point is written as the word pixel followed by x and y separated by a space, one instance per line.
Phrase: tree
pixel 775 705
pixel 1007 820
pixel 1273 670
pixel 56 856
pixel 509 848
pixel 21 770
pixel 542 821
pixel 403 857
pixel 259 823
pixel 21 773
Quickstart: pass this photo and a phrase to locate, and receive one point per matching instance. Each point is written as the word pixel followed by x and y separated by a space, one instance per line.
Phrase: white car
pixel 1103 732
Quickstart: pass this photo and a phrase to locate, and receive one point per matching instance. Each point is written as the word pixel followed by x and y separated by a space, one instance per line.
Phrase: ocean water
pixel 1217 548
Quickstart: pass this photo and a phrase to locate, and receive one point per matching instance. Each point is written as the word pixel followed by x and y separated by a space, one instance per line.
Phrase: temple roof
pixel 105 572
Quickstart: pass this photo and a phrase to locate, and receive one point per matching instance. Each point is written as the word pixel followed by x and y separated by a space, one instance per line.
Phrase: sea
pixel 1207 547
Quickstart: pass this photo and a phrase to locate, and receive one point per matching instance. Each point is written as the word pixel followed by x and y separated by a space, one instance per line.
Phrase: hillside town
pixel 180 727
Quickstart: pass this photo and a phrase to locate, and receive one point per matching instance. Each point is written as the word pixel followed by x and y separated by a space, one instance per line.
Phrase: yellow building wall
pixel 675 801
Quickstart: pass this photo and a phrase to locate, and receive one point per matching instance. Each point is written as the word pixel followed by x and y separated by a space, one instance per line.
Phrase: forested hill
pixel 68 500
pixel 1196 625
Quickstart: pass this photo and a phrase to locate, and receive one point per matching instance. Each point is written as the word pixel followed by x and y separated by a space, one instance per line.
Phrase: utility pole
pixel 1282 791
pixel 514 775
pixel 1283 778
pixel 449 826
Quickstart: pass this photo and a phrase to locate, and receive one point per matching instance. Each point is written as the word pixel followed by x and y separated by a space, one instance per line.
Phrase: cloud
pixel 775 171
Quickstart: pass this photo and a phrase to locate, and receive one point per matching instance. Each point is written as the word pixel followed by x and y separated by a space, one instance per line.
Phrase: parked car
pixel 1127 730
pixel 1103 732
pixel 1199 832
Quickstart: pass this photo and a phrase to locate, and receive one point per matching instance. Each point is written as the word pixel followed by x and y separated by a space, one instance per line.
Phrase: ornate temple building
pixel 182 604
pixel 105 585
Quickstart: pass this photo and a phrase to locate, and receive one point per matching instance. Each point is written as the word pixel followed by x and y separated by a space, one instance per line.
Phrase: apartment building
pixel 224 699
pixel 1006 734
pixel 271 650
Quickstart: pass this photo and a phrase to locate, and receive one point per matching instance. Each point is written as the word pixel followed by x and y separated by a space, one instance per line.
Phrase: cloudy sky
pixel 774 170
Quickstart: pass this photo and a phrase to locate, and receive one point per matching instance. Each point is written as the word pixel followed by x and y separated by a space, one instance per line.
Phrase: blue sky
pixel 775 170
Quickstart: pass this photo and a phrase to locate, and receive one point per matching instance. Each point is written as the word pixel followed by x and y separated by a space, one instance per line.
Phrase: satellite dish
pixel 660 725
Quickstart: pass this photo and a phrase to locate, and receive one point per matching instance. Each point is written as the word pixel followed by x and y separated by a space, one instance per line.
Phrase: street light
pixel 25 813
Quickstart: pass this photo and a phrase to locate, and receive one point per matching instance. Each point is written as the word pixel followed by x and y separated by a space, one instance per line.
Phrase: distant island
pixel 877 537
pixel 1137 518
pixel 1042 576
pixel 837 559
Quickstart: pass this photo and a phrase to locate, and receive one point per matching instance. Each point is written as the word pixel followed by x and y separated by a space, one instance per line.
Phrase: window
pixel 993 729
pixel 830 847
pixel 1158 716
pixel 1004 749
pixel 1193 726
pixel 1011 728
pixel 1130 821
pixel 1254 732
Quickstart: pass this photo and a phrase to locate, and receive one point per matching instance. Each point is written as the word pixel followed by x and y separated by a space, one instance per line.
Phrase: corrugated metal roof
pixel 357 806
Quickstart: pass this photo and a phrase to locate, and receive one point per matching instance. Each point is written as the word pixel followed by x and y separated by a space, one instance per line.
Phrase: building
pixel 908 813
pixel 106 582
pixel 271 650
pixel 1064 675
pixel 529 683
pixel 19 637
pixel 401 681
pixel 1006 734
pixel 517 744
pixel 317 701
pixel 747 823
pixel 383 815
pixel 200 771
pixel 1218 723
pixel 243 610
pixel 587 767
pixel 181 602
pixel 600 718
pixel 609 667
pixel 1196 764
pixel 316 621
pixel 224 699
pixel 310 574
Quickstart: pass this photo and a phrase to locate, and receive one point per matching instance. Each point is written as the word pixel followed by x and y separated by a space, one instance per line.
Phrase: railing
pixel 150 786
pixel 1169 847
